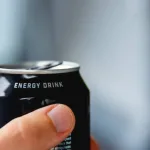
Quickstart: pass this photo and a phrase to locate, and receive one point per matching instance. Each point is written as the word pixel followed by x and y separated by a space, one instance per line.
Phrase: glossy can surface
pixel 25 88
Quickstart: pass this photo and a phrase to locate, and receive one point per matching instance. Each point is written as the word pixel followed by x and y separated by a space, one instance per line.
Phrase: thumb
pixel 39 130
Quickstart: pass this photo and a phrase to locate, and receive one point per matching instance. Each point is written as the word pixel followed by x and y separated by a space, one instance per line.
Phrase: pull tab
pixel 45 66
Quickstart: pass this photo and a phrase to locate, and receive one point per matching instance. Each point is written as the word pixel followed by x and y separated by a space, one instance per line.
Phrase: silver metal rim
pixel 56 70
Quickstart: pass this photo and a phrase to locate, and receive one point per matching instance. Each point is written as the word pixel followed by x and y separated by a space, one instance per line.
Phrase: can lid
pixel 40 67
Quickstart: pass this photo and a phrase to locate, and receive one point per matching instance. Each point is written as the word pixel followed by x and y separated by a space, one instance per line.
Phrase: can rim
pixel 65 67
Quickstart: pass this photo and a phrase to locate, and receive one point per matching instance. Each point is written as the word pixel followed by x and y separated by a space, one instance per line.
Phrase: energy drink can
pixel 28 86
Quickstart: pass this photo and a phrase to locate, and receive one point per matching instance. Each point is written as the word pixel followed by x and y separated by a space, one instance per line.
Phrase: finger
pixel 39 130
pixel 94 145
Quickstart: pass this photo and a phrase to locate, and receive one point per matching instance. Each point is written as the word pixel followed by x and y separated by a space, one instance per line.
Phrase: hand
pixel 42 129
pixel 94 145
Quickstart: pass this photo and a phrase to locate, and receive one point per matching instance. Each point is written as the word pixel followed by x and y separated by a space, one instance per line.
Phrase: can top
pixel 40 67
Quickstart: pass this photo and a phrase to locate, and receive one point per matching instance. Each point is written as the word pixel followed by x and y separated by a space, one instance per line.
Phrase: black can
pixel 28 86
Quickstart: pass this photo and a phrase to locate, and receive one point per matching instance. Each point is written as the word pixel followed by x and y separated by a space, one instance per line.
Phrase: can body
pixel 24 93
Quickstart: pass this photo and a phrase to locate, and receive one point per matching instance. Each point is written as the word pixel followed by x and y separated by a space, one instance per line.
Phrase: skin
pixel 37 130
pixel 94 145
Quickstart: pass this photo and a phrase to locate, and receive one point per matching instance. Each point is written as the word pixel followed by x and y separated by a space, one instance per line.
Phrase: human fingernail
pixel 62 118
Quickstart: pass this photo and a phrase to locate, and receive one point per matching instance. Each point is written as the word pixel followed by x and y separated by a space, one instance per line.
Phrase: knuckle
pixel 26 132
pixel 34 133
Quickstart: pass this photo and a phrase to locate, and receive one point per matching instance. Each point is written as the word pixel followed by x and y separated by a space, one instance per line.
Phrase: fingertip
pixel 62 117
pixel 94 145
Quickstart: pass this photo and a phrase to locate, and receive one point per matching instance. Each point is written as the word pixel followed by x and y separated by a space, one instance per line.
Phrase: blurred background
pixel 110 40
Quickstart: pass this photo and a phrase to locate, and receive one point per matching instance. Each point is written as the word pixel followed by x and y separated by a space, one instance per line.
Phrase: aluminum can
pixel 27 86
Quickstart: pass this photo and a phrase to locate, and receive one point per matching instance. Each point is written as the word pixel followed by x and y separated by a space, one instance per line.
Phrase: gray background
pixel 109 38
